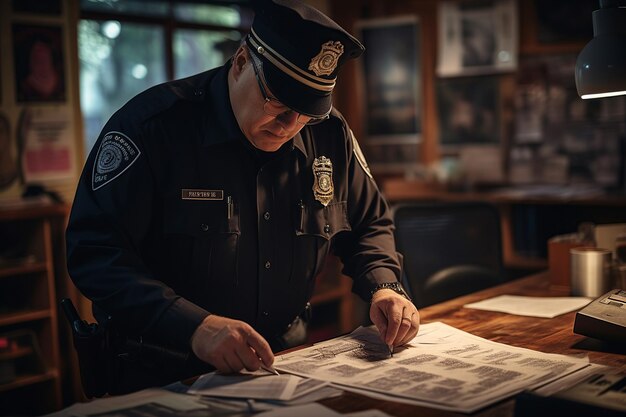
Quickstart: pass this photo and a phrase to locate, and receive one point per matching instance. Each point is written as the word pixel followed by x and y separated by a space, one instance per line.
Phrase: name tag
pixel 191 194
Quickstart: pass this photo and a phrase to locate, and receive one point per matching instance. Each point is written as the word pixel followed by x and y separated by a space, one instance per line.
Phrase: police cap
pixel 301 50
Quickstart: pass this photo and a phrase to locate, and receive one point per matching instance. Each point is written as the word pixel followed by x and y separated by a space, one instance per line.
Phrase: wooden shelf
pixel 24 316
pixel 22 269
pixel 598 209
pixel 15 353
pixel 25 380
pixel 28 297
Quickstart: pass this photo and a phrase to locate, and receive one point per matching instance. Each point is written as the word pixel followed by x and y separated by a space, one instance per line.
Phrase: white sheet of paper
pixel 545 307
pixel 259 387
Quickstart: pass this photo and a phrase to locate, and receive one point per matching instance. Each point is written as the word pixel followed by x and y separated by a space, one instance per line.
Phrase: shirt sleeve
pixel 110 218
pixel 368 252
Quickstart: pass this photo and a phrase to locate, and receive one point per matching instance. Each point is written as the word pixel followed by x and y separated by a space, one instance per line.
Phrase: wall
pixel 44 134
pixel 559 139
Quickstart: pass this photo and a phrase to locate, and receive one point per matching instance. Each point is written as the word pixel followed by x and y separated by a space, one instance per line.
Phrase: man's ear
pixel 240 59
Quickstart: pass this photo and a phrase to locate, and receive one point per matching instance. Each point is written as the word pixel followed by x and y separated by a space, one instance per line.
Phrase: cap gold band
pixel 289 68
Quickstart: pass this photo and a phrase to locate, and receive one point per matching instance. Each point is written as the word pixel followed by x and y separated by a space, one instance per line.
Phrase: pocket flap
pixel 324 222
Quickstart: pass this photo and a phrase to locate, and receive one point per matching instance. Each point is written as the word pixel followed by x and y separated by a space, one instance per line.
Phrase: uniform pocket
pixel 316 226
pixel 203 243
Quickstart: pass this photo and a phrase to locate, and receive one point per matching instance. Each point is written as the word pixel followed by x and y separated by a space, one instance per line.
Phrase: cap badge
pixel 323 180
pixel 325 62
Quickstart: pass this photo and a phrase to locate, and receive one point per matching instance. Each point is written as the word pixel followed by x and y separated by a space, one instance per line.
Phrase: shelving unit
pixel 30 366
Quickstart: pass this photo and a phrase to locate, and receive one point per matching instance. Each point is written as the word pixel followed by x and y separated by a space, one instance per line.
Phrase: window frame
pixel 170 24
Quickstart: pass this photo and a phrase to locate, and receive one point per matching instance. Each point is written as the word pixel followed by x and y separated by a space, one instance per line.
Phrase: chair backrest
pixel 449 248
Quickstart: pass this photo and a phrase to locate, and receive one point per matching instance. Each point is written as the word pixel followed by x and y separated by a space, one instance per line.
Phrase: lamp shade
pixel 601 65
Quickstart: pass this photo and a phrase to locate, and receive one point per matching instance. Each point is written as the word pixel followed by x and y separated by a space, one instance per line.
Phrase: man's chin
pixel 269 142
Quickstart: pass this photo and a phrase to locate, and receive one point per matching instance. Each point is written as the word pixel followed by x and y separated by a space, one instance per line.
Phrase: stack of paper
pixel 442 367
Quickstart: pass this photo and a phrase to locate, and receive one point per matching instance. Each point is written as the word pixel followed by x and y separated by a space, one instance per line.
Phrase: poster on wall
pixel 38 58
pixel 477 37
pixel 45 143
pixel 392 80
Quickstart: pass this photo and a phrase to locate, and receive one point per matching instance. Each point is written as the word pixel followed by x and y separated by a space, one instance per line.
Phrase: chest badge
pixel 323 180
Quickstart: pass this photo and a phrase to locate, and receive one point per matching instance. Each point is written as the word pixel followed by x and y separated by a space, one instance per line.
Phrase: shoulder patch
pixel 116 154
pixel 359 155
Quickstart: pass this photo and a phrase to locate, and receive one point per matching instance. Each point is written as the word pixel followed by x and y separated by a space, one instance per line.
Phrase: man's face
pixel 264 131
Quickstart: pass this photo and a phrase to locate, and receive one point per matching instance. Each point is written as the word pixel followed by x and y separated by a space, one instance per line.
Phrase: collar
pixel 299 143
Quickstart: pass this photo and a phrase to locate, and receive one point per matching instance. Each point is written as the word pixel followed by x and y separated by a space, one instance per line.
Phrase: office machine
pixel 604 318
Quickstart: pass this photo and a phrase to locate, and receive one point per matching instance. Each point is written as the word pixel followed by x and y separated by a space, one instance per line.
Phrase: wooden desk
pixel 545 335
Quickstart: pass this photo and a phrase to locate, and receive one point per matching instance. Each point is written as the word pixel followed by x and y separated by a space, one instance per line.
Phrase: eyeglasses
pixel 275 108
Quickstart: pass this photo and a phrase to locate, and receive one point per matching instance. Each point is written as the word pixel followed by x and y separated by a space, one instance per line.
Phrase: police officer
pixel 209 204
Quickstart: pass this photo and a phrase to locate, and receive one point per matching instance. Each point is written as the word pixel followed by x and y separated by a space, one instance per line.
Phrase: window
pixel 126 46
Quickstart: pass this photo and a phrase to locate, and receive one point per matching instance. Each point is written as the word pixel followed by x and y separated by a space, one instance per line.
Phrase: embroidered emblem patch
pixel 323 188
pixel 115 155
pixel 359 155
pixel 195 194
pixel 325 62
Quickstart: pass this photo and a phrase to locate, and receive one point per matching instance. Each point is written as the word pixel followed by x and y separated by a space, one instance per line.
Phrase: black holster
pixel 113 363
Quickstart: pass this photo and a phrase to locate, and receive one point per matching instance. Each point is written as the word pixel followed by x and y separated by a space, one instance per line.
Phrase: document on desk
pixel 544 307
pixel 442 367
pixel 258 387
pixel 151 402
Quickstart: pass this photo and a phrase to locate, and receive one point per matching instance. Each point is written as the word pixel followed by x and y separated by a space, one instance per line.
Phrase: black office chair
pixel 449 248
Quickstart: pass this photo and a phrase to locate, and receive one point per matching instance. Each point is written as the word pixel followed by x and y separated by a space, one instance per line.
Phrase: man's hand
pixel 230 345
pixel 396 317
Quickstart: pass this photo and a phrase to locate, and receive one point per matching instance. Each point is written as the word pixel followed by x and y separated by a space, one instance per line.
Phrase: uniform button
pixel 198 92
pixel 266 215
pixel 204 227
pixel 327 228
pixel 268 265
pixel 266 314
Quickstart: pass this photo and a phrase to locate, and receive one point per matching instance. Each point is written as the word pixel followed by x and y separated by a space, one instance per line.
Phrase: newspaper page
pixel 442 367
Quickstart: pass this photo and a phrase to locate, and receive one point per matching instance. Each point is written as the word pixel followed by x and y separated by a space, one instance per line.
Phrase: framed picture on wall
pixel 477 37
pixel 391 79
pixel 39 63
pixel 468 110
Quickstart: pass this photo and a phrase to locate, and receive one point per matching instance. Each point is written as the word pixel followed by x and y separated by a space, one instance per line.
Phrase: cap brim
pixel 295 95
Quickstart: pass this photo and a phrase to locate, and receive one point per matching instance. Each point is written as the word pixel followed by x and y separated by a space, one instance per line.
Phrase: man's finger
pixel 233 364
pixel 379 319
pixel 405 327
pixel 412 331
pixel 248 357
pixel 394 317
pixel 261 347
